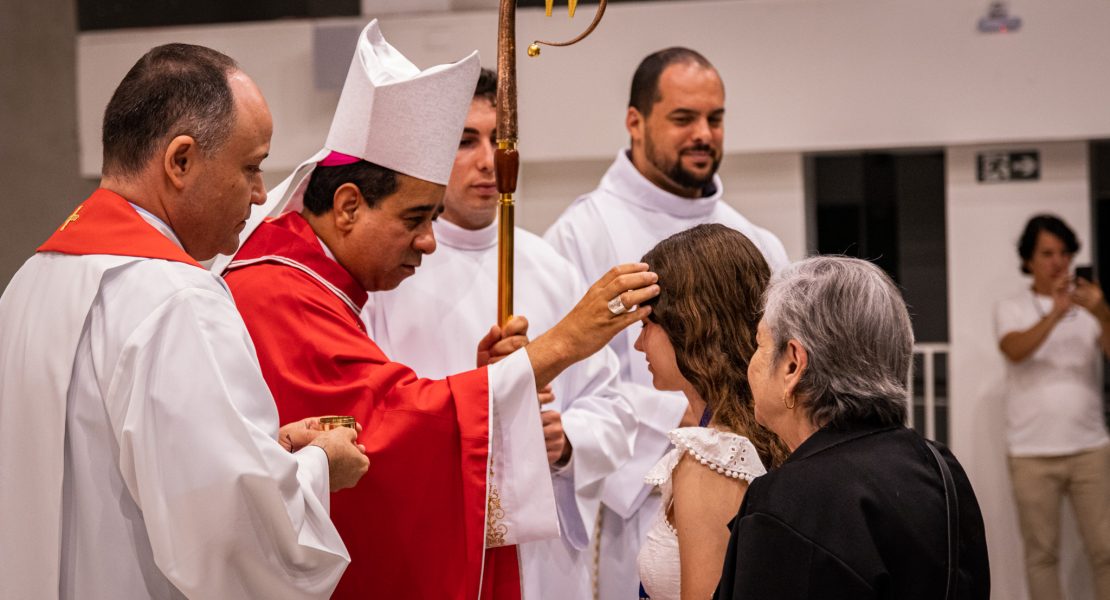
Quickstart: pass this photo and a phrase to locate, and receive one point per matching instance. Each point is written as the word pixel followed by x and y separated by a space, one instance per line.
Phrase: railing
pixel 928 352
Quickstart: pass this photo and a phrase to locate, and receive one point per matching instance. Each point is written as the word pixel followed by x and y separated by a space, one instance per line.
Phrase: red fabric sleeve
pixel 414 525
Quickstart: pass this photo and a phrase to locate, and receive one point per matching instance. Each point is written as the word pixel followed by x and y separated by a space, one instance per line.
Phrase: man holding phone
pixel 1053 336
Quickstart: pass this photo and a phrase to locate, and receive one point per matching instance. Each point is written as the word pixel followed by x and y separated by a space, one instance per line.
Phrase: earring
pixel 788 405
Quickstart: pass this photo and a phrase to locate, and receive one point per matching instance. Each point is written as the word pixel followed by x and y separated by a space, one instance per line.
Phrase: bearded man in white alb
pixel 665 183
pixel 139 444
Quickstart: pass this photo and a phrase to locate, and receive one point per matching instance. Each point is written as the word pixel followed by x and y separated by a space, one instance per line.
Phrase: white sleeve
pixel 656 414
pixel 1008 318
pixel 228 511
pixel 521 501
pixel 601 426
pixel 598 419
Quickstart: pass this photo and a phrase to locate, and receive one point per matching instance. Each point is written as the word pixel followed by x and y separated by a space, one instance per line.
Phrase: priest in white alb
pixel 139 444
pixel 433 320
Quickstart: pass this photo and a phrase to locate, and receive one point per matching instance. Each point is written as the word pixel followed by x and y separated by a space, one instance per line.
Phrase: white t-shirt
pixel 1054 397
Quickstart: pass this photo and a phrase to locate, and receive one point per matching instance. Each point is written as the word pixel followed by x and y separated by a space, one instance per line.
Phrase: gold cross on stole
pixel 71 218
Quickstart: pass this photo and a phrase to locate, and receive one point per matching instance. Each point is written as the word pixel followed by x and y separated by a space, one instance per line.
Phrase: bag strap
pixel 951 506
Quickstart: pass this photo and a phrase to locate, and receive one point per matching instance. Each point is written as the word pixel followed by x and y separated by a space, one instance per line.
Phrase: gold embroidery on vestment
pixel 495 529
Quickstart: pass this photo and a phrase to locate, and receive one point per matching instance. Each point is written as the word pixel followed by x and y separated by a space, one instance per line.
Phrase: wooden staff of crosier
pixel 506 158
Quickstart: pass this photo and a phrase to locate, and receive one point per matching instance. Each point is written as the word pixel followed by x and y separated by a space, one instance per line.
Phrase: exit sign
pixel 996 167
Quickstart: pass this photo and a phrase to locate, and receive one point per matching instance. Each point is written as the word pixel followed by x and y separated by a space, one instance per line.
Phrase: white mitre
pixel 390 113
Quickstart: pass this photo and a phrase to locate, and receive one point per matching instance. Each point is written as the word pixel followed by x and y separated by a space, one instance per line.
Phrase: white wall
pixel 769 189
pixel 801 74
pixel 984 222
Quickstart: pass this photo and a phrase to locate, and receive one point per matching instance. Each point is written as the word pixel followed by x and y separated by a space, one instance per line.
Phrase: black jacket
pixel 857 515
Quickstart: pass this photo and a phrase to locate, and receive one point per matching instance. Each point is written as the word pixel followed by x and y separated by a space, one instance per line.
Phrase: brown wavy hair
pixel 712 280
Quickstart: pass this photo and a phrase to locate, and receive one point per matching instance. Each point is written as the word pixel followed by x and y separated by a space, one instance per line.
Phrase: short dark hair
pixel 645 82
pixel 373 181
pixel 1051 224
pixel 487 86
pixel 175 89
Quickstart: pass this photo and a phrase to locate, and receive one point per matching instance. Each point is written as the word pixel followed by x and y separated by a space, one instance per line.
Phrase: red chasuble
pixel 415 524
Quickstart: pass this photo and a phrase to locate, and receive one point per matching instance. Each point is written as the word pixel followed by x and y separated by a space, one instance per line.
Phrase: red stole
pixel 106 224
pixel 415 524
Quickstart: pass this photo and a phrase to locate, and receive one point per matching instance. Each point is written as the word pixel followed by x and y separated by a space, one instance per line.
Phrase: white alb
pixel 138 455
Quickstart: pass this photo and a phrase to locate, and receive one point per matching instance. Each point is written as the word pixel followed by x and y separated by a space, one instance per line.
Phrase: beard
pixel 679 174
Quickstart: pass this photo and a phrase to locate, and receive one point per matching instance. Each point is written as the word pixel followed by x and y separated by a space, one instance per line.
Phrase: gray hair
pixel 851 319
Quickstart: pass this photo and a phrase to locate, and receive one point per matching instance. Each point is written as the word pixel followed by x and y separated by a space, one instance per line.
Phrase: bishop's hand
pixel 500 342
pixel 610 305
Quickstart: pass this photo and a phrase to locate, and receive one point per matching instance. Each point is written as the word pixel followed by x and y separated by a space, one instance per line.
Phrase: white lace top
pixel 730 455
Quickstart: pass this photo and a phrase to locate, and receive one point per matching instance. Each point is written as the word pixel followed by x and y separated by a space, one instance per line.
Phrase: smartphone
pixel 1086 272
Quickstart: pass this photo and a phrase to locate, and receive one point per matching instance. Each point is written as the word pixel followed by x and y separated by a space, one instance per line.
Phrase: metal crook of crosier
pixel 506 158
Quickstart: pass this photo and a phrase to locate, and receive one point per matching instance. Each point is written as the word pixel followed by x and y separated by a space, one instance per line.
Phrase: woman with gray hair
pixel 864 507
